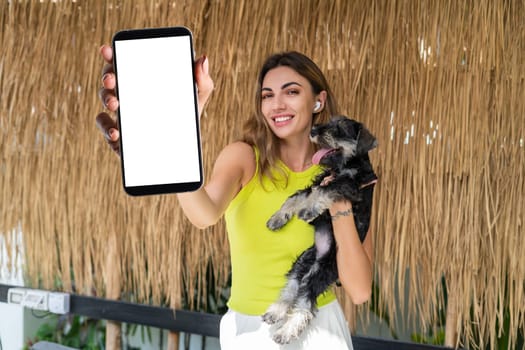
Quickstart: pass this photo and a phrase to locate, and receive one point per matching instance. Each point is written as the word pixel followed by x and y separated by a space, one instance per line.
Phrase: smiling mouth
pixel 282 119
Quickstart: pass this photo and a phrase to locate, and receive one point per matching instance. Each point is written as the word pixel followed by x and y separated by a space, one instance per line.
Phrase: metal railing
pixel 193 322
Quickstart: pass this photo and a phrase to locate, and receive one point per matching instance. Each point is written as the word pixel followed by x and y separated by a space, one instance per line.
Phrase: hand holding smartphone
pixel 158 113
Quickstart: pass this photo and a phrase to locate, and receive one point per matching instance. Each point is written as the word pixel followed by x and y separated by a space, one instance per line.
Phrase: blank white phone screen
pixel 160 143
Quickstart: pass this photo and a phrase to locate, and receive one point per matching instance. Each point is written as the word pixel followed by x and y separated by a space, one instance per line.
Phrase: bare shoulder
pixel 238 157
pixel 239 148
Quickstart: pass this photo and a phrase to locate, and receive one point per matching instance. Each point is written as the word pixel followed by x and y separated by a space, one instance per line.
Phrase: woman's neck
pixel 297 156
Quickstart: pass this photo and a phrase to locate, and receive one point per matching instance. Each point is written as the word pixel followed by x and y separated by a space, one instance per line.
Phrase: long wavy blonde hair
pixel 256 131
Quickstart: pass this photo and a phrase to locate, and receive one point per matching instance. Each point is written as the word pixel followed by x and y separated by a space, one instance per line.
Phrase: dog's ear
pixel 365 141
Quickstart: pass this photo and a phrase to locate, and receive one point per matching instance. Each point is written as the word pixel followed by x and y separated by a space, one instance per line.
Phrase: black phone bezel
pixel 146 33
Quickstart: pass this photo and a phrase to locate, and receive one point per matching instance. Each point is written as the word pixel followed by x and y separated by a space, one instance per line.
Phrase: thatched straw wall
pixel 441 83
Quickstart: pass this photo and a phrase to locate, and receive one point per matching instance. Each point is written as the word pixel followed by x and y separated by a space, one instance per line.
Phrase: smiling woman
pixel 449 205
pixel 292 96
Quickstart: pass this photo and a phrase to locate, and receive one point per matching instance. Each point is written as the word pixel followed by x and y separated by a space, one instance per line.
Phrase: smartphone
pixel 158 117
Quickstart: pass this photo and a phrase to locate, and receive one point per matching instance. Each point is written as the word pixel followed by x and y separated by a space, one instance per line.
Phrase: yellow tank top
pixel 261 258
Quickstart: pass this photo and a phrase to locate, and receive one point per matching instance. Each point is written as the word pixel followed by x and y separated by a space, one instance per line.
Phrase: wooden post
pixel 113 335
pixel 173 341
pixel 451 335
pixel 112 277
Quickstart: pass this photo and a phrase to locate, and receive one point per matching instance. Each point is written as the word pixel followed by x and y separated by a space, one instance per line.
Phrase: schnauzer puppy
pixel 344 144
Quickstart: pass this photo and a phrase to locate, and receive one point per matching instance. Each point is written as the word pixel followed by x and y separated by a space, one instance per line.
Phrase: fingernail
pixel 112 133
pixel 110 103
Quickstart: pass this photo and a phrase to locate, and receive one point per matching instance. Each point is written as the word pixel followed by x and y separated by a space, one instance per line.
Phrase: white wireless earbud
pixel 317 106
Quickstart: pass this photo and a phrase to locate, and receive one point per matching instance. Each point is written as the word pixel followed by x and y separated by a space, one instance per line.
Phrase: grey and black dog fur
pixel 315 270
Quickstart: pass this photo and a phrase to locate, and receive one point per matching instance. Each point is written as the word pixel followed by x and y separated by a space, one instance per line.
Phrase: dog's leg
pixel 321 274
pixel 287 210
pixel 316 203
pixel 301 316
pixel 302 312
pixel 278 311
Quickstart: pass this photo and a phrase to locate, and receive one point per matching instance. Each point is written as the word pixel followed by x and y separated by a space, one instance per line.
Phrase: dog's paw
pixel 275 313
pixel 308 214
pixel 281 337
pixel 293 327
pixel 270 318
pixel 278 220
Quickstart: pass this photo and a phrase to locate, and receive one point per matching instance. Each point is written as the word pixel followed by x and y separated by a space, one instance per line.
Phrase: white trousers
pixel 327 330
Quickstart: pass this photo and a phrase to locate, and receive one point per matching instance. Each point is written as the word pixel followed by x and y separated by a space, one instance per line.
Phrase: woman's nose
pixel 278 103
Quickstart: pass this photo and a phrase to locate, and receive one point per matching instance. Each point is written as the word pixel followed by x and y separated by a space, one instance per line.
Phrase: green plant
pixel 432 337
pixel 72 330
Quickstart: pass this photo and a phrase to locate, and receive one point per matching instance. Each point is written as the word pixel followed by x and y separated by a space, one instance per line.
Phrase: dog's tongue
pixel 316 158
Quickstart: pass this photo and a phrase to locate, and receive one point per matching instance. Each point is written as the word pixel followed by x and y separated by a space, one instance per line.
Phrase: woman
pixel 250 180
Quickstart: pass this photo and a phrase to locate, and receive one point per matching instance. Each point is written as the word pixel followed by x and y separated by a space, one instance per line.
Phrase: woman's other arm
pixel 354 259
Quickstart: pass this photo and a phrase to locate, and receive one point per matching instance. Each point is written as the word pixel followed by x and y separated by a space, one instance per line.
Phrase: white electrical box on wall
pixel 15 295
pixel 58 303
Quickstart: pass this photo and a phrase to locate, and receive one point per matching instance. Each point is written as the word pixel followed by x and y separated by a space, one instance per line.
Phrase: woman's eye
pixel 293 92
pixel 266 96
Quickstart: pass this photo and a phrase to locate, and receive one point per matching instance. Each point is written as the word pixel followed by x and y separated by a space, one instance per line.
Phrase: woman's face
pixel 287 102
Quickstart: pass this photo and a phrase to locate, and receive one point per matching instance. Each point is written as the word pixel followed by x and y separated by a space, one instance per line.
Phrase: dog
pixel 344 144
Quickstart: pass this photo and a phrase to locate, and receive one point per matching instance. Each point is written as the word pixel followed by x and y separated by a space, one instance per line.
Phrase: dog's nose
pixel 314 132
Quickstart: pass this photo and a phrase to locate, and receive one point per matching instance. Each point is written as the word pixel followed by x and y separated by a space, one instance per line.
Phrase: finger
pixel 115 146
pixel 368 184
pixel 106 94
pixel 110 131
pixel 107 53
pixel 108 80
pixel 204 81
pixel 202 75
pixel 108 76
pixel 108 68
pixel 108 99
pixel 108 126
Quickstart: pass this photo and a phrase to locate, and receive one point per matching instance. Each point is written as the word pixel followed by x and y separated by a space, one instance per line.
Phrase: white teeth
pixel 282 119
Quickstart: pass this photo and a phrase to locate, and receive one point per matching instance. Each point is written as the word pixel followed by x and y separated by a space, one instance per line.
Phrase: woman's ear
pixel 320 101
